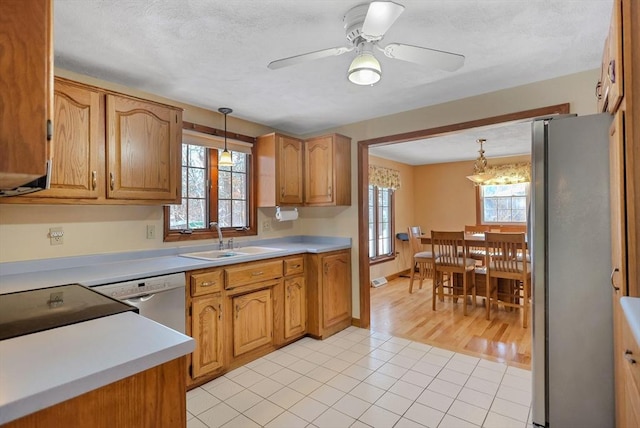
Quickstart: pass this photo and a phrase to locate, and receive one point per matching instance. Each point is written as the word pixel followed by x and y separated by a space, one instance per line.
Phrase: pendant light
pixel 225 156
pixel 479 167
pixel 365 68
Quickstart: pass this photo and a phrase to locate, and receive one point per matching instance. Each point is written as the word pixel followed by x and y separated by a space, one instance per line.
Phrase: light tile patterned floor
pixel 359 378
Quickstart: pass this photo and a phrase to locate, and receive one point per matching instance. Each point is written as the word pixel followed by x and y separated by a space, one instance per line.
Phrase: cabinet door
pixel 78 135
pixel 143 150
pixel 206 329
pixel 336 288
pixel 614 70
pixel 319 172
pixel 289 170
pixel 26 97
pixel 295 307
pixel 252 321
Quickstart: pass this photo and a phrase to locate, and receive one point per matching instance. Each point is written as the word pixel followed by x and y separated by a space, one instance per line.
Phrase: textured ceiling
pixel 213 53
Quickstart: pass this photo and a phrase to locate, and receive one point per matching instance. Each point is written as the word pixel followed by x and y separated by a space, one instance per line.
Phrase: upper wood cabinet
pixel 315 172
pixel 610 87
pixel 143 150
pixel 77 169
pixel 111 148
pixel 280 170
pixel 328 170
pixel 26 97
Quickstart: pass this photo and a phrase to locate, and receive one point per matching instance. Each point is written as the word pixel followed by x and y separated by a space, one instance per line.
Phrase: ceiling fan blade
pixel 297 59
pixel 380 17
pixel 448 61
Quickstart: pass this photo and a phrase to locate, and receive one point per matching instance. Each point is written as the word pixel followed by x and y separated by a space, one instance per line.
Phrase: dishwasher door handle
pixel 139 299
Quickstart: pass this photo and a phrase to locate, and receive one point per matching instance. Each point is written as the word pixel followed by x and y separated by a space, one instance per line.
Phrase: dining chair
pixel 423 260
pixel 448 246
pixel 476 252
pixel 505 261
pixel 513 228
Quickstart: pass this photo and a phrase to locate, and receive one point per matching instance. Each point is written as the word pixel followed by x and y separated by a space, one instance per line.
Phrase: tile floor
pixel 360 378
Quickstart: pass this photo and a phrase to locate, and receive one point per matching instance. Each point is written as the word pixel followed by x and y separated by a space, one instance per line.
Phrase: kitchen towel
pixel 286 215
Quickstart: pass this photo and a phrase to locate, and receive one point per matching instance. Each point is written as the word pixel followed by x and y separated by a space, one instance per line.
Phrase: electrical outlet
pixel 56 235
pixel 266 225
pixel 151 231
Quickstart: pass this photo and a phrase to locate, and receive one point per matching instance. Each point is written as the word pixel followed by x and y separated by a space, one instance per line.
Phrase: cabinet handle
pixel 208 283
pixel 611 71
pixel 237 310
pixel 330 190
pixel 599 90
pixel 326 268
pixel 613 272
pixel 219 311
pixel 628 356
pixel 257 273
pixel 295 266
pixel 282 192
pixel 288 290
pixel 94 179
pixel 112 180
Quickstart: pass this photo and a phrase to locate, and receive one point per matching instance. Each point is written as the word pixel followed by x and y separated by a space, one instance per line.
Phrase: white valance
pixel 214 142
pixel 384 177
pixel 510 173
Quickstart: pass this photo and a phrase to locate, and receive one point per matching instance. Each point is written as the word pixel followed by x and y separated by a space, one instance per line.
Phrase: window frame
pixel 227 232
pixel 392 220
pixel 480 211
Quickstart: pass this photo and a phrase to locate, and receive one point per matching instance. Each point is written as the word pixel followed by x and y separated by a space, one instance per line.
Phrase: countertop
pixel 631 311
pixel 42 369
pixel 116 267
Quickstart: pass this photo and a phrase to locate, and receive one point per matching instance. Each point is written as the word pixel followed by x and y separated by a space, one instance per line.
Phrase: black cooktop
pixel 31 311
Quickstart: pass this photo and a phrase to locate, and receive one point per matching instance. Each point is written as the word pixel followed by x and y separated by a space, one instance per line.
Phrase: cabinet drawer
pixel 254 272
pixel 293 266
pixel 206 282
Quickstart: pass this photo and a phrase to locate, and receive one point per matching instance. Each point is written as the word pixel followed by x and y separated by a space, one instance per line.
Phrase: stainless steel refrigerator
pixel 569 233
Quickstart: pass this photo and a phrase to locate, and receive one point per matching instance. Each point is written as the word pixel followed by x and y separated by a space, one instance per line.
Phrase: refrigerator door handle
pixel 613 272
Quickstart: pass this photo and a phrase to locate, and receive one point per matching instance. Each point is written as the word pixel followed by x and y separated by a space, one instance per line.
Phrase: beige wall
pixel 88 230
pixel 449 199
pixel 404 201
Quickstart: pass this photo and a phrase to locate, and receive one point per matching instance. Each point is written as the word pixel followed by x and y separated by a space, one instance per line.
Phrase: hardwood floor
pixel 395 311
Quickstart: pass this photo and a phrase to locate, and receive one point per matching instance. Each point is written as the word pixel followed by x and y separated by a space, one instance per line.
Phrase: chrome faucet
pixel 230 244
pixel 220 241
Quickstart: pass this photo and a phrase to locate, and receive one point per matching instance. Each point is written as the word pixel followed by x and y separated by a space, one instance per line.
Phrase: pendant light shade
pixel 225 156
pixel 479 167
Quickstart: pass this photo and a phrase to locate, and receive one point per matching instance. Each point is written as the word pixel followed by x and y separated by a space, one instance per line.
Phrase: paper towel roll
pixel 286 215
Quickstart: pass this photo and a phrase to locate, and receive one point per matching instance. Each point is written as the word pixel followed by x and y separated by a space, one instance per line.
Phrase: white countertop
pixel 631 311
pixel 109 268
pixel 42 369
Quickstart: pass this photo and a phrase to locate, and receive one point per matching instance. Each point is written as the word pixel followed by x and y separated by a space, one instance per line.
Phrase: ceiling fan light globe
pixel 225 158
pixel 365 70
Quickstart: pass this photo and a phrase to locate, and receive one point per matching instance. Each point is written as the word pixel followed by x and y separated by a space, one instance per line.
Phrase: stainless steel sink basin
pixel 224 254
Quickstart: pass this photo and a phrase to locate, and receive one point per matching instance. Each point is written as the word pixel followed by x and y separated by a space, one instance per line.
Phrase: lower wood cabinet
pixel 329 292
pixel 295 307
pixel 207 330
pixel 628 377
pixel 252 321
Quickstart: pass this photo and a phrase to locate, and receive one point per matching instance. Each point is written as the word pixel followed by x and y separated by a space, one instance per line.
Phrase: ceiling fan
pixel 366 25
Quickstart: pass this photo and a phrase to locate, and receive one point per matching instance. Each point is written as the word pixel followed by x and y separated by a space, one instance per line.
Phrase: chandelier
pixel 479 166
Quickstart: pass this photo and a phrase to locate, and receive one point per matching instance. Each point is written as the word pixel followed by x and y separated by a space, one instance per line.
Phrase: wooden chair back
pixel 479 228
pixel 414 239
pixel 513 228
pixel 450 248
pixel 505 255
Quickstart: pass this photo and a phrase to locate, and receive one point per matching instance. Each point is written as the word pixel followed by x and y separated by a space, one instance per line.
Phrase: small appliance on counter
pixel 31 311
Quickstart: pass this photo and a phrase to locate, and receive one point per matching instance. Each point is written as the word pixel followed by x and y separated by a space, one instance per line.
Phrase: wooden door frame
pixel 363 181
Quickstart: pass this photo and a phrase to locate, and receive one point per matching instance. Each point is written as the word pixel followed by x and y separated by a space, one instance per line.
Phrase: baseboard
pixel 402 274
pixel 355 322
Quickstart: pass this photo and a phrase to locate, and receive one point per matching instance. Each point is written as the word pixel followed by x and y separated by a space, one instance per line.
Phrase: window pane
pixel 197 156
pixel 224 213
pixel 185 154
pixel 184 181
pixel 224 185
pixel 504 203
pixel 491 216
pixel 239 213
pixel 519 203
pixel 178 216
pixel 239 161
pixel 197 213
pixel 196 183
pixel 239 186
pixel 520 216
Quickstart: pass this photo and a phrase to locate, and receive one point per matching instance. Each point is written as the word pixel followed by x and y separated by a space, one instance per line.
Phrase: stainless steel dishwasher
pixel 160 298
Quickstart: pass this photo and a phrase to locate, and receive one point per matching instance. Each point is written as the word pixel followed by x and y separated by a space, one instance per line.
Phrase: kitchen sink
pixel 223 254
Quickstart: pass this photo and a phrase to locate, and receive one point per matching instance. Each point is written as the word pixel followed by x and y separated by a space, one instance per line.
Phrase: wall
pixel 576 89
pixel 88 230
pixel 449 199
pixel 404 217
